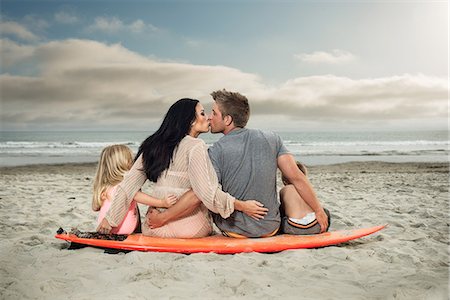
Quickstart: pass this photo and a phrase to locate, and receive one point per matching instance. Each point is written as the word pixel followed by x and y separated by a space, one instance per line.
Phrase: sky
pixel 303 65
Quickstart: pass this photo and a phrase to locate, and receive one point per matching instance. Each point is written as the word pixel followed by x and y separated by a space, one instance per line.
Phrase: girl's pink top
pixel 131 218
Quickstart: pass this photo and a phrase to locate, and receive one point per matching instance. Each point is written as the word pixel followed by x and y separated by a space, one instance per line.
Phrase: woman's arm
pixel 206 190
pixel 189 202
pixel 143 198
pixel 206 186
pixel 186 205
pixel 251 208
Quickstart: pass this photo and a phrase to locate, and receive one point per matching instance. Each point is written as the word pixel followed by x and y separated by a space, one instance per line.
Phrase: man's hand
pixel 251 208
pixel 322 218
pixel 104 227
pixel 155 219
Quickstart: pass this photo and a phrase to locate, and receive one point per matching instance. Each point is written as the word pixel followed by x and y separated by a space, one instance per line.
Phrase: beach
pixel 407 260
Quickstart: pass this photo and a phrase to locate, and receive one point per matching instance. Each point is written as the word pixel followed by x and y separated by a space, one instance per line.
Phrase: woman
pixel 177 161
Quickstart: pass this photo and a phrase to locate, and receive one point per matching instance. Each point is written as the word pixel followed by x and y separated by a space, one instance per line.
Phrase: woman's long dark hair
pixel 157 150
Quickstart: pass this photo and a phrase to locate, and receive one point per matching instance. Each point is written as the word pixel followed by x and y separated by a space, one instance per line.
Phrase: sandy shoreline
pixel 408 260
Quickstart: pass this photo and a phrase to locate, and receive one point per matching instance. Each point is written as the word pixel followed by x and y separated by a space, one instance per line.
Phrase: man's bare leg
pixel 294 206
pixel 187 203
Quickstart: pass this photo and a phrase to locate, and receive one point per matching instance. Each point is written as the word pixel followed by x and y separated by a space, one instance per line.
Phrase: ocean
pixel 312 148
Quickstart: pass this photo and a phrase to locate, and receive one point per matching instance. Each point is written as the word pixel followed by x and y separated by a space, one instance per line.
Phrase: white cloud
pixel 87 83
pixel 17 30
pixel 66 17
pixel 12 53
pixel 109 25
pixel 336 56
pixel 112 25
pixel 137 26
pixel 324 98
pixel 192 43
pixel 35 22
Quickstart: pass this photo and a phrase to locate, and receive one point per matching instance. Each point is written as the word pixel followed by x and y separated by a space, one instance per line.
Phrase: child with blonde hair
pixel 115 161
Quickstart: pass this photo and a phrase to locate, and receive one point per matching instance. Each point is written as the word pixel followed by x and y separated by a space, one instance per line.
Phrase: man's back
pixel 246 164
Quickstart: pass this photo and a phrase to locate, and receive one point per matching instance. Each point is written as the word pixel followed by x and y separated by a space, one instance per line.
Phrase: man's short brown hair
pixel 234 105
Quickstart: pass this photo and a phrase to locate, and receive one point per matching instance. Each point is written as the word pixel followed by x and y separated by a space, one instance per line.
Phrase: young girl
pixel 114 162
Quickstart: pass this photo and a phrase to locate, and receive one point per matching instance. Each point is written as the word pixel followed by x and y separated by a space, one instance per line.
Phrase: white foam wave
pixel 62 145
pixel 369 143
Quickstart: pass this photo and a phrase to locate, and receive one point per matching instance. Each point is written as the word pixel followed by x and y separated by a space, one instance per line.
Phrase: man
pixel 246 162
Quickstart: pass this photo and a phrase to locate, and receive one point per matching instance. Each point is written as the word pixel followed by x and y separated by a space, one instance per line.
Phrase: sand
pixel 407 260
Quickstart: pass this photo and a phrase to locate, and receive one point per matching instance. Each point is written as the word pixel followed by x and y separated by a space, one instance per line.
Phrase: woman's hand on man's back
pixel 252 208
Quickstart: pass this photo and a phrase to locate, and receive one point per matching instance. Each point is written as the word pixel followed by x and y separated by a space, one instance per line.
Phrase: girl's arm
pixel 143 198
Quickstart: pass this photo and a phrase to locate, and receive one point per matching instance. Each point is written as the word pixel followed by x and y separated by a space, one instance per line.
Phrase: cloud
pixel 10 28
pixel 66 17
pixel 137 26
pixel 88 84
pixel 12 53
pixel 36 22
pixel 109 25
pixel 325 98
pixel 335 57
pixel 113 25
pixel 191 43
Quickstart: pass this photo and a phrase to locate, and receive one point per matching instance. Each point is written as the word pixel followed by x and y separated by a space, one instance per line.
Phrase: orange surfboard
pixel 224 245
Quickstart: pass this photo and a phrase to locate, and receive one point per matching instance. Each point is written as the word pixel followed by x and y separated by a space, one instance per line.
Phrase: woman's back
pixel 176 180
pixel 177 176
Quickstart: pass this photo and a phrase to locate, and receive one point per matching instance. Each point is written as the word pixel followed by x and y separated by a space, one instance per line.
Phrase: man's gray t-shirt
pixel 246 164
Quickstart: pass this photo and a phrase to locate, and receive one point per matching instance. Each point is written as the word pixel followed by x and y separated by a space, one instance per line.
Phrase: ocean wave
pixel 436 152
pixel 62 145
pixel 420 147
pixel 318 152
pixel 368 143
pixel 288 143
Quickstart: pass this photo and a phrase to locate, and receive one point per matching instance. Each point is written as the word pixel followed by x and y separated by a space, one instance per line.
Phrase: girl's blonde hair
pixel 115 160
